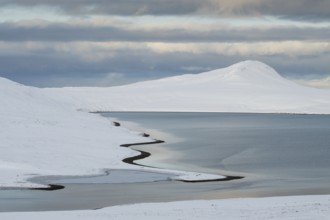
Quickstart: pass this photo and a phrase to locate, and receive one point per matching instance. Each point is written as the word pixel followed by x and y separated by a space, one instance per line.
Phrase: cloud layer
pixel 110 42
pixel 318 83
pixel 91 31
pixel 293 9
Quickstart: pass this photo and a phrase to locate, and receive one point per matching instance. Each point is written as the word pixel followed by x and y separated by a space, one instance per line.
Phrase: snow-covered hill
pixel 43 134
pixel 249 86
pixel 37 123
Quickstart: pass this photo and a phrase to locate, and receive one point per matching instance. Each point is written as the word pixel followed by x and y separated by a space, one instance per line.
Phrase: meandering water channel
pixel 278 154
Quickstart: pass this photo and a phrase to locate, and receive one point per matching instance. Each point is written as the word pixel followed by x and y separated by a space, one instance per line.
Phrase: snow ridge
pixel 249 86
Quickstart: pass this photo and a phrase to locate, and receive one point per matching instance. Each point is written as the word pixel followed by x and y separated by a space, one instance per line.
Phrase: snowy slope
pixel 42 133
pixel 45 135
pixel 249 86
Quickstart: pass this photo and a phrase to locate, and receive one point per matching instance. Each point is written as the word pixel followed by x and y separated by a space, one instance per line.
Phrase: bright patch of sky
pixel 260 21
pixel 14 14
pixel 272 21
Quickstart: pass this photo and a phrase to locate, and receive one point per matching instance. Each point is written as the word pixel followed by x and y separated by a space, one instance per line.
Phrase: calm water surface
pixel 276 145
pixel 277 154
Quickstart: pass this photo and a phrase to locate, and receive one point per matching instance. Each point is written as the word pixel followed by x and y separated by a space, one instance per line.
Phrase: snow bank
pixel 249 86
pixel 298 207
pixel 44 134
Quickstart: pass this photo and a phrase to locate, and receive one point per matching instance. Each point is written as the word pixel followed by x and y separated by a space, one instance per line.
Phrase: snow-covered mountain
pixel 249 86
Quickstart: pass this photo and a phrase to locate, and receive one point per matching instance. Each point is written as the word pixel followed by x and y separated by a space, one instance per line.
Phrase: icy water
pixel 277 154
pixel 276 145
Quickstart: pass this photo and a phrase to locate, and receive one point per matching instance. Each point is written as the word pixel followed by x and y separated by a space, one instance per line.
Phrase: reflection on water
pixel 277 154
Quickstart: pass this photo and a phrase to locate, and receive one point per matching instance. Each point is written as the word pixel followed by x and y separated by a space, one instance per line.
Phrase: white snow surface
pixel 50 132
pixel 249 86
pixel 284 208
pixel 44 135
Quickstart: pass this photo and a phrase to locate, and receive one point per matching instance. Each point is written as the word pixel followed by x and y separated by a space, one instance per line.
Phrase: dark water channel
pixel 277 154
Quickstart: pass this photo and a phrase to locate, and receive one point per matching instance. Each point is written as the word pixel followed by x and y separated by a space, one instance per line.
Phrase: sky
pixel 55 43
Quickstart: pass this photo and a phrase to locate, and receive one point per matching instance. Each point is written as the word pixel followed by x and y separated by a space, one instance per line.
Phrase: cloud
pixel 298 9
pixel 113 7
pixel 293 9
pixel 118 30
pixel 287 48
pixel 87 63
pixel 230 7
pixel 99 51
pixel 113 42
pixel 317 83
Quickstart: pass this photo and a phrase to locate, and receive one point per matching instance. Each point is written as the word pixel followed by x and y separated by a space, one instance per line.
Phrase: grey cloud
pixel 298 9
pixel 115 7
pixel 65 32
pixel 293 9
pixel 46 68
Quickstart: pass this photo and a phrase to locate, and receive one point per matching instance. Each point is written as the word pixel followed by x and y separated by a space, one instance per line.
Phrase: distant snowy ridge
pixel 249 86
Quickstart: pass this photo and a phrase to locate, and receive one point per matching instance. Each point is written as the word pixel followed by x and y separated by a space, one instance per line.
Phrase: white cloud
pixel 230 7
pixel 287 48
pixel 318 83
pixel 12 13
pixel 98 51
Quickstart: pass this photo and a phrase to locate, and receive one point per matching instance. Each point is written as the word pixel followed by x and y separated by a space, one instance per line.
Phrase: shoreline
pixel 145 154
pixel 142 155
pixel 131 161
pixel 224 112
